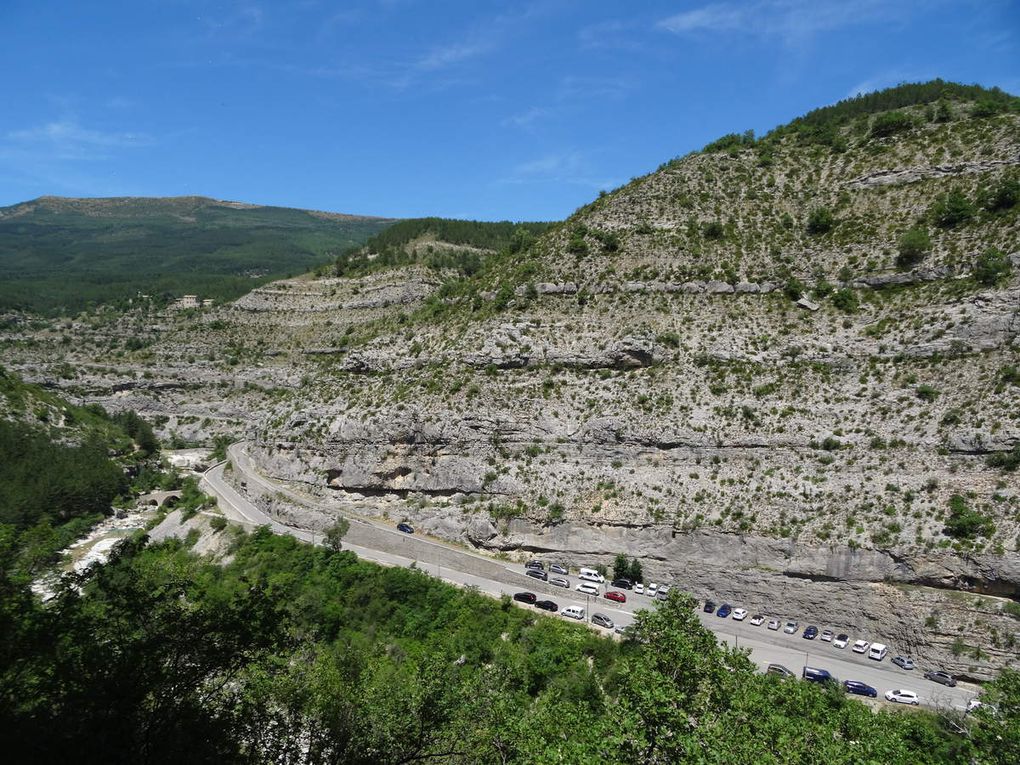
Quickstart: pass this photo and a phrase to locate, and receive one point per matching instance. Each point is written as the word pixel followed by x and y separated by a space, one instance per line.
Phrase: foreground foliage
pixel 298 654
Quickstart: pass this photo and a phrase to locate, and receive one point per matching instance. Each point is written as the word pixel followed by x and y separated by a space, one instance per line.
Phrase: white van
pixel 878 651
pixel 573 612
pixel 591 575
pixel 587 588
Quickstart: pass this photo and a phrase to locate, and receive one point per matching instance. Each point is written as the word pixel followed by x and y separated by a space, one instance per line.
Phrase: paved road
pixel 375 541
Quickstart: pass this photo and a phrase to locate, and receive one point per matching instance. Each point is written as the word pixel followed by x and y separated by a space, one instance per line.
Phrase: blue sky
pixel 480 109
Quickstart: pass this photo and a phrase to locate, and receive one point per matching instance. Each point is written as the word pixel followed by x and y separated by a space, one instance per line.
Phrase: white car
pixel 827 636
pixel 841 640
pixel 587 588
pixel 739 614
pixel 791 628
pixel 902 697
pixel 639 588
pixel 861 646
pixel 651 589
pixel 756 620
pixel 773 624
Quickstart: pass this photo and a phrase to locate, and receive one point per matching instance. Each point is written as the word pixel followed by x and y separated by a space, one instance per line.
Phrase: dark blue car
pixel 709 606
pixel 724 610
pixel 859 688
pixel 810 633
pixel 405 527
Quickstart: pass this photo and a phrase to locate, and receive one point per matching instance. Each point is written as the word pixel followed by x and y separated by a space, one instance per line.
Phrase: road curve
pixel 377 542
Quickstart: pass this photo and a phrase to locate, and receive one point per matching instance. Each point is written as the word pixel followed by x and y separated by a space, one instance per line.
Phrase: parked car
pixel 778 669
pixel 791 628
pixel 841 640
pixel 590 575
pixel 556 568
pixel 535 564
pixel 534 573
pixel 662 593
pixel 773 624
pixel 623 584
pixel 407 528
pixel 940 677
pixel 651 589
pixel 826 636
pixel 525 597
pixel 547 605
pixel 859 688
pixel 709 607
pixel 810 633
pixel 619 597
pixel 739 614
pixel 559 581
pixel 903 662
pixel 878 651
pixel 861 646
pixel 601 620
pixel 573 612
pixel 724 610
pixel 587 588
pixel 639 588
pixel 756 620
pixel 902 697
pixel 815 675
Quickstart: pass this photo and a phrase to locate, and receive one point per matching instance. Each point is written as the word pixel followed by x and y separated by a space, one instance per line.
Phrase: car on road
pixel 815 675
pixel 756 620
pixel 773 624
pixel 902 697
pixel 407 528
pixel 859 688
pixel 587 588
pixel 573 612
pixel 623 584
pixel 651 589
pixel 535 564
pixel 878 651
pixel 547 605
pixel 791 628
pixel 739 614
pixel 559 581
pixel 810 633
pixel 556 568
pixel 601 620
pixel 525 597
pixel 724 610
pixel 639 588
pixel 940 677
pixel 841 640
pixel 662 593
pixel 903 662
pixel 614 595
pixel 778 669
pixel 861 646
pixel 826 636
pixel 709 607
pixel 534 573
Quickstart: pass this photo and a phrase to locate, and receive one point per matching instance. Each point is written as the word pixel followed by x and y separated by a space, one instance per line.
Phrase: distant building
pixel 186 301
pixel 207 303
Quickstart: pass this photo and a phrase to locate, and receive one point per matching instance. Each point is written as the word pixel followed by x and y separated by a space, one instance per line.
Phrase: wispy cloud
pixel 528 117
pixel 443 56
pixel 66 139
pixel 570 166
pixel 789 20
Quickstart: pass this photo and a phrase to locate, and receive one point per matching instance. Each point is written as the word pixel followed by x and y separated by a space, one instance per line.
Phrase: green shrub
pixel 1008 461
pixel 713 230
pixel 820 221
pixel 218 523
pixel 891 123
pixel 965 523
pixel 991 267
pixel 1003 197
pixel 926 393
pixel 846 300
pixel 952 209
pixel 914 245
pixel 793 288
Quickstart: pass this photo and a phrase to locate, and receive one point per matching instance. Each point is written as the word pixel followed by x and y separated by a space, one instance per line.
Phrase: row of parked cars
pixel 856 687
pixel 571 612
pixel 591 582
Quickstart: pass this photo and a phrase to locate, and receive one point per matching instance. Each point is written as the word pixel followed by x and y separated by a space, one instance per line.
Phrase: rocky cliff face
pixel 643 381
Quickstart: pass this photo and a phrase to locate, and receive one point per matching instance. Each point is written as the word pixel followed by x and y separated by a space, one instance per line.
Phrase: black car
pixel 810 633
pixel 537 574
pixel 525 597
pixel 546 605
pixel 623 584
pixel 859 688
pixel 937 676
pixel 535 564
pixel 709 607
pixel 407 528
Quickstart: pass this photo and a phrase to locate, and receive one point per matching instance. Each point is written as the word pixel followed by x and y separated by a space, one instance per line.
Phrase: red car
pixel 619 597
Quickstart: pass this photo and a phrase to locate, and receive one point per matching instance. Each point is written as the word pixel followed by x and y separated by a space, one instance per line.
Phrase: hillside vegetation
pixel 62 255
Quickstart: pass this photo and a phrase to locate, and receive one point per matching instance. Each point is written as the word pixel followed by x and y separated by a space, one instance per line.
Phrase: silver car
pixel 559 581
pixel 601 620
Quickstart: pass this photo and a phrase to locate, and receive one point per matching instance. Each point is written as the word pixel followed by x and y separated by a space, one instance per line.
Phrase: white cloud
pixel 66 139
pixel 447 55
pixel 715 18
pixel 564 167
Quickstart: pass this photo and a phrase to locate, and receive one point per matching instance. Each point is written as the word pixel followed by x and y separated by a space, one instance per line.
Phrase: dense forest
pixel 60 256
pixel 428 240
pixel 289 653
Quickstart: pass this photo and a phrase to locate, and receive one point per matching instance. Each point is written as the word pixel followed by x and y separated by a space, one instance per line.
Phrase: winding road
pixel 378 542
